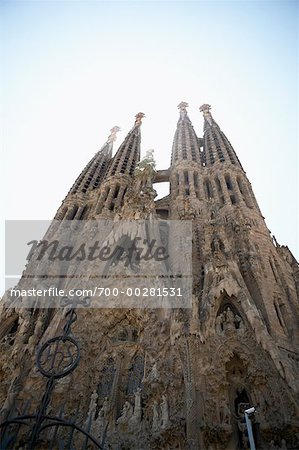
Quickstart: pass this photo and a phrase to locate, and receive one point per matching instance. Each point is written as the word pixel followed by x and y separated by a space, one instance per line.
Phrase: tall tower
pixel 177 378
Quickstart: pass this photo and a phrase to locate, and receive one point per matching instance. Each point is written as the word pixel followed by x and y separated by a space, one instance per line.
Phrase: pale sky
pixel 74 69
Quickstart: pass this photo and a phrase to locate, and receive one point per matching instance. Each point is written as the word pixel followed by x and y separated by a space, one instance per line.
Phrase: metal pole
pixel 249 428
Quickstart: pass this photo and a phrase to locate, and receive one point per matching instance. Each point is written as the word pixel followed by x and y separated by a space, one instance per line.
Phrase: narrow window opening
pixel 73 212
pixel 186 176
pixel 116 192
pixel 279 315
pixel 273 271
pixel 219 189
pixel 209 190
pixel 228 183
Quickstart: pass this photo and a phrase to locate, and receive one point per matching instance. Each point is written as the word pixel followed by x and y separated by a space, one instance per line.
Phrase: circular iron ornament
pixel 58 356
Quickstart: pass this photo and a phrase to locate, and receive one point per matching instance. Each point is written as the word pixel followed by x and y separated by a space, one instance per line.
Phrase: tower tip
pixel 112 135
pixel 205 108
pixel 139 116
pixel 182 106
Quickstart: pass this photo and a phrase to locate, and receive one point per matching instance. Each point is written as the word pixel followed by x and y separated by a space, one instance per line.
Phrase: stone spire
pixel 112 136
pixel 120 172
pixel 92 175
pixel 139 116
pixel 185 144
pixel 208 118
pixel 186 158
pixel 128 154
pixel 217 147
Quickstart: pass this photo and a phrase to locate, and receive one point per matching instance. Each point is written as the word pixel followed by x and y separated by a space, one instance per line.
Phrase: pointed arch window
pixel 228 182
pixel 136 373
pixel 186 177
pixel 106 378
pixel 219 190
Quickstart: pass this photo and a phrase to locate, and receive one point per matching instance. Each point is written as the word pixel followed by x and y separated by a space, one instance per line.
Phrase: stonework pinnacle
pixel 205 108
pixel 112 135
pixel 139 118
pixel 182 106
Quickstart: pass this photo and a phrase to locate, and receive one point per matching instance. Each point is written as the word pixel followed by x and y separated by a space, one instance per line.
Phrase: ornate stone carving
pixel 126 414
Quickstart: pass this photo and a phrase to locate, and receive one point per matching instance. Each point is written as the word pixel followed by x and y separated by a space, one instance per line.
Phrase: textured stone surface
pixel 176 379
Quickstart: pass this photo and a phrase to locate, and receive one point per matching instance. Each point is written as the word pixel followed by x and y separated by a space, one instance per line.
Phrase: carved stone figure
pixel 224 411
pixel 126 415
pixel 229 319
pixel 136 418
pixel 165 422
pixel 219 323
pixel 156 417
pixel 92 407
pixel 102 418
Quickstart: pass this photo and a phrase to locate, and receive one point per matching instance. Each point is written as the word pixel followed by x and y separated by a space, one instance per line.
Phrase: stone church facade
pixel 173 378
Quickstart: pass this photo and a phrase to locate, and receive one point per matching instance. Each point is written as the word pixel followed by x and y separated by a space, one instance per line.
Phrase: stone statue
pixel 126 415
pixel 136 418
pixel 156 418
pixel 101 420
pixel 216 244
pixel 165 422
pixel 145 173
pixel 92 407
pixel 229 319
pixel 154 374
pixel 219 323
pixel 224 411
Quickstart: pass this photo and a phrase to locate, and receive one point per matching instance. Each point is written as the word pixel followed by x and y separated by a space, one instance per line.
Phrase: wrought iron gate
pixel 56 359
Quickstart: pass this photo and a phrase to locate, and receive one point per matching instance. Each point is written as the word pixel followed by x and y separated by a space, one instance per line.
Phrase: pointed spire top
pixel 112 135
pixel 139 118
pixel 205 108
pixel 182 106
pixel 209 121
pixel 183 111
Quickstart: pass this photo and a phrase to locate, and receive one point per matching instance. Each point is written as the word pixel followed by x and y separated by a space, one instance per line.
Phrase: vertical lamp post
pixel 248 412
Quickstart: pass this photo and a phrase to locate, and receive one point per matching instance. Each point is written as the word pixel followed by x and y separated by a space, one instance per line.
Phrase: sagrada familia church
pixel 163 378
